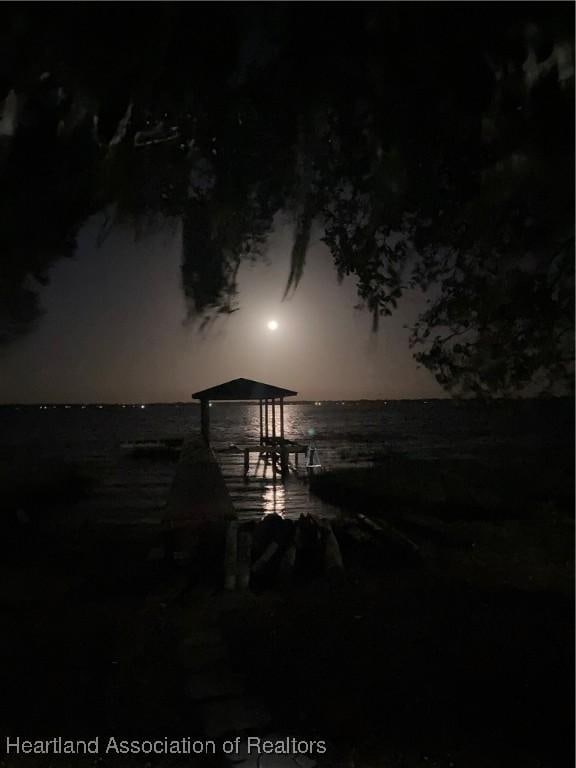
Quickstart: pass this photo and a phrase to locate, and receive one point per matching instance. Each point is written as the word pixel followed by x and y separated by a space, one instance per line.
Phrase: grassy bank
pixel 455 489
pixel 510 526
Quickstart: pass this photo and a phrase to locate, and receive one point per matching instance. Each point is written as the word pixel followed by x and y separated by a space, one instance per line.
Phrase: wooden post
pixel 282 419
pixel 284 460
pixel 205 420
pixel 274 446
pixel 261 424
pixel 266 419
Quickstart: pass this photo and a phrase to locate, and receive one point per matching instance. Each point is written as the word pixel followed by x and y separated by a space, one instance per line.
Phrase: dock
pixel 213 505
pixel 265 476
pixel 211 485
pixel 262 491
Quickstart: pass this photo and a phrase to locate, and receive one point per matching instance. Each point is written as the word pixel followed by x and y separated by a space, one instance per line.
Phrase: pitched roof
pixel 242 389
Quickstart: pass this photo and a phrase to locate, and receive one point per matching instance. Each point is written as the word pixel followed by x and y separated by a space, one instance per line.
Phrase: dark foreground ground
pixel 449 641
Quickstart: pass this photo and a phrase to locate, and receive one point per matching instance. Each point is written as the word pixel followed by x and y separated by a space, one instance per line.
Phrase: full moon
pixel 272 325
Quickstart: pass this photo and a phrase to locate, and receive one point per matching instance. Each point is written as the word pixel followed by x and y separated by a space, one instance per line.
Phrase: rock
pixel 271 529
pixel 244 559
pixel 332 554
pixel 271 538
pixel 287 564
pixel 266 556
pixel 309 547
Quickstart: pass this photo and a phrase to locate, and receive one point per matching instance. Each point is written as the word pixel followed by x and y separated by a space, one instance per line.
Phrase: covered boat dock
pixel 273 447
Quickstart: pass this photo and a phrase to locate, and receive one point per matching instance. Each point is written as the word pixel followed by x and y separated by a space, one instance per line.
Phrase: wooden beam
pixel 284 459
pixel 205 420
pixel 282 418
pixel 274 455
pixel 266 418
pixel 261 424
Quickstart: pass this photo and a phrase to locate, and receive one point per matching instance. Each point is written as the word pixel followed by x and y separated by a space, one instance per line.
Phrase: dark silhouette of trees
pixel 432 143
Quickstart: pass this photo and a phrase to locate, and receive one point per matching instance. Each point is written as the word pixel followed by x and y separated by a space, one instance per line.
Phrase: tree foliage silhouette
pixel 433 145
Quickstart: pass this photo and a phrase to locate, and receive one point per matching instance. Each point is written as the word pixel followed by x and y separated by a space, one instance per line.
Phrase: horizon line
pixel 303 401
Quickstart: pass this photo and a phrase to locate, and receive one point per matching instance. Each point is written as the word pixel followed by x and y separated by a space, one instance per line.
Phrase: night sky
pixel 425 155
pixel 114 330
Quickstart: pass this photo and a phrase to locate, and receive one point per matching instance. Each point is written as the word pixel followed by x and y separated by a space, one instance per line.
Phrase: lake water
pixel 424 429
pixel 344 433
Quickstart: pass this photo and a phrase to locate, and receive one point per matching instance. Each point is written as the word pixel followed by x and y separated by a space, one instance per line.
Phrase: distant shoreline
pixel 359 401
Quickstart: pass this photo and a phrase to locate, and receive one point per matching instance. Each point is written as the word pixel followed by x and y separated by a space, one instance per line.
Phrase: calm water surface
pixel 344 433
pixel 426 429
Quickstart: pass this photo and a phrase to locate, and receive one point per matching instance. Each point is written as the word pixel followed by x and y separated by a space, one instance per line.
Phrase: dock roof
pixel 243 389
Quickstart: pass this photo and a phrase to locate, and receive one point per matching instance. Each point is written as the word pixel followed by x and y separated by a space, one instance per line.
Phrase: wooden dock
pixel 259 475
pixel 262 491
pixel 212 504
pixel 210 485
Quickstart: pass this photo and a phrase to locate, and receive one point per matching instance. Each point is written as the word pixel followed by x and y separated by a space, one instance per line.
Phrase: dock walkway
pixel 262 493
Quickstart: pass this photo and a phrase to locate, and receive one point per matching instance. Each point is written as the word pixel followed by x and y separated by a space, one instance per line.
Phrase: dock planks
pixel 261 493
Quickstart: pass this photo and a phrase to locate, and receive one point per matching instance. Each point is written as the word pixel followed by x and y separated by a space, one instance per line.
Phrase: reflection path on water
pixel 261 493
pixel 274 498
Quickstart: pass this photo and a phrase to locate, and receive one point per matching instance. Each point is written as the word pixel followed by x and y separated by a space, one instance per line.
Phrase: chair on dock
pixel 313 459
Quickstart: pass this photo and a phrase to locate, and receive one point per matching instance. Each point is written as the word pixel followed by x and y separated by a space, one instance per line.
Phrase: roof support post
pixel 261 424
pixel 205 420
pixel 282 419
pixel 266 420
pixel 273 453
